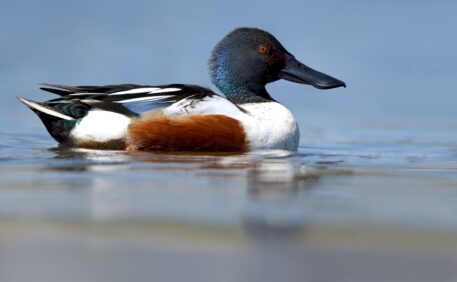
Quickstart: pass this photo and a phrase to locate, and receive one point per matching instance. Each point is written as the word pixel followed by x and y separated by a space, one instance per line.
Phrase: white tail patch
pixel 101 126
pixel 43 109
pixel 146 90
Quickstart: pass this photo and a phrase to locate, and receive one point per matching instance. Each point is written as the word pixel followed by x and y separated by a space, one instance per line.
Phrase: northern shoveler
pixel 182 117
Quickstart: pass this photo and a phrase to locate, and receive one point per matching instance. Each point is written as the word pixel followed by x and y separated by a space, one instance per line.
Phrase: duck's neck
pixel 238 87
pixel 241 94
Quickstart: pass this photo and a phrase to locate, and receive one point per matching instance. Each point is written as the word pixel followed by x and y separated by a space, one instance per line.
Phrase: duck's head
pixel 246 59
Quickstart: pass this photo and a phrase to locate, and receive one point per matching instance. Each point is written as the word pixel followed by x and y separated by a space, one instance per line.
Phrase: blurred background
pixel 398 59
pixel 370 196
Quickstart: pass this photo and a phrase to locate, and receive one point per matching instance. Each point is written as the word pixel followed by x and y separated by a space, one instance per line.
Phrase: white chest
pixel 270 125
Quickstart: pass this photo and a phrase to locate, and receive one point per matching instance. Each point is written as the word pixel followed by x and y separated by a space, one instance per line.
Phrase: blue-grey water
pixel 370 195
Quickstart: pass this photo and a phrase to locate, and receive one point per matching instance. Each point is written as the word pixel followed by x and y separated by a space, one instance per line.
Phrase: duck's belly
pixel 270 125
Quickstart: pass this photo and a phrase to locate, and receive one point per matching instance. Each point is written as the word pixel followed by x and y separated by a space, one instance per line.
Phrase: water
pixel 369 196
pixel 350 206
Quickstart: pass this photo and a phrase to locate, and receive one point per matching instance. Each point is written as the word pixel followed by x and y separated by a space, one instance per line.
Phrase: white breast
pixel 270 125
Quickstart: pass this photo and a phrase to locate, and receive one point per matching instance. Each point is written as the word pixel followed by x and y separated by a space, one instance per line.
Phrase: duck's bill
pixel 297 72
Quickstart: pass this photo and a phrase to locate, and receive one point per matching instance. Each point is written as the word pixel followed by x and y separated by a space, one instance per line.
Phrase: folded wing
pixel 127 99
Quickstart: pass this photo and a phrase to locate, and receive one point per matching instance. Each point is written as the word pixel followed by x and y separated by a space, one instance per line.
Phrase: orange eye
pixel 262 48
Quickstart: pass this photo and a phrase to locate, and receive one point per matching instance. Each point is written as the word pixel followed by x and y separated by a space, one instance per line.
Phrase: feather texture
pixel 203 133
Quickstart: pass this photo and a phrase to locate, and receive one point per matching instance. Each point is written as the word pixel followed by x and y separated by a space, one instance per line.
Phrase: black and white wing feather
pixel 127 99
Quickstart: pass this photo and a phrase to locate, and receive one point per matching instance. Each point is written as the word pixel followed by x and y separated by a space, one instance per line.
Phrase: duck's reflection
pixel 78 159
pixel 105 160
pixel 277 204
pixel 276 184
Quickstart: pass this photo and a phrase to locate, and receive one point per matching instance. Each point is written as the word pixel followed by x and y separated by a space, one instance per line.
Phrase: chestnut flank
pixel 202 133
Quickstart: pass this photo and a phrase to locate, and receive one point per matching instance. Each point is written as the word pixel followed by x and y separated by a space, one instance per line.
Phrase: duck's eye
pixel 262 49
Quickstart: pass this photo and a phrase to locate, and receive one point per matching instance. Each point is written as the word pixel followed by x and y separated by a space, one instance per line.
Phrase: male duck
pixel 182 117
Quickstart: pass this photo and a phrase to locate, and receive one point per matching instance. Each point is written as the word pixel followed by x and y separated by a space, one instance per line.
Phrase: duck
pixel 186 117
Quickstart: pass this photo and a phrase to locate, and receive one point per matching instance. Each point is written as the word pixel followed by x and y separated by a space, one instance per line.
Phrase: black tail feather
pixel 57 124
pixel 56 91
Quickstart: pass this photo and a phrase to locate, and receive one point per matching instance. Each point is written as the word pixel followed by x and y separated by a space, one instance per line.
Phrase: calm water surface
pixel 257 216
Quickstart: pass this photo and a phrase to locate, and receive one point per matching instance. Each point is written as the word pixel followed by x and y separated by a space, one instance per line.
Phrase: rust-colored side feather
pixel 203 133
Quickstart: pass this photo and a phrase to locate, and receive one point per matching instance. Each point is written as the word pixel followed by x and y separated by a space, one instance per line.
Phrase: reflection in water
pixel 276 204
pixel 278 194
pixel 88 159
pixel 260 211
pixel 79 159
pixel 275 184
